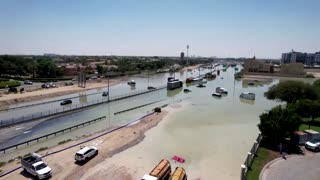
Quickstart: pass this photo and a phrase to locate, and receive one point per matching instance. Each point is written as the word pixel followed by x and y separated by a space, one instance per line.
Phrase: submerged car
pixel 52 85
pixel 45 85
pixel 27 82
pixel 314 145
pixel 66 101
pixel 106 93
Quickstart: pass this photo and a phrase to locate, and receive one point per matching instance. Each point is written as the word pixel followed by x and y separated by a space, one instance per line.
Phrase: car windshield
pixel 314 141
pixel 79 154
pixel 41 166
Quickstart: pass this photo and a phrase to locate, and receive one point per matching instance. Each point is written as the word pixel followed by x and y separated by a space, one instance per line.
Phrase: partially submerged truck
pixel 179 174
pixel 161 172
pixel 34 165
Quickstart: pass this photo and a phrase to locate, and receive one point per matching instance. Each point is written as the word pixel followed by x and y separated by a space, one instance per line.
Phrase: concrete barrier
pixel 250 156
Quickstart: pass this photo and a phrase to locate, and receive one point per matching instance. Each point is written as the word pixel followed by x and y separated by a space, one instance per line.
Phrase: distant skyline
pixel 222 28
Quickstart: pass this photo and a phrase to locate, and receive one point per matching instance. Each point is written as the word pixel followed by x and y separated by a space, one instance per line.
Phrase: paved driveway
pixel 294 168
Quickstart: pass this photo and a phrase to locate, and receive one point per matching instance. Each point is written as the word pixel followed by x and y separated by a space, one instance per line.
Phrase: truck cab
pixel 40 170
pixel 34 165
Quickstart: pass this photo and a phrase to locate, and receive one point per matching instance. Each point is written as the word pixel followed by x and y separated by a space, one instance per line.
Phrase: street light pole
pixel 108 87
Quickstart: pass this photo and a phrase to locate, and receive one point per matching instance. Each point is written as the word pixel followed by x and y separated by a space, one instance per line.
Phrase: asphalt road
pixel 293 168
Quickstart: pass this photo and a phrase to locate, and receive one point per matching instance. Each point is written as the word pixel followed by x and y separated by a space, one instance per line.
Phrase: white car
pixel 314 145
pixel 86 153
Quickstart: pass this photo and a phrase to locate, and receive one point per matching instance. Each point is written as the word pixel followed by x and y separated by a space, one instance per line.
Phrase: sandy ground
pixel 9 99
pixel 131 164
pixel 64 166
pixel 258 77
pixel 315 74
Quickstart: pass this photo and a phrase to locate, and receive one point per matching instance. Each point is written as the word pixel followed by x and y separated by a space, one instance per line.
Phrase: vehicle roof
pixel 247 93
pixel 160 167
pixel 178 174
pixel 85 149
pixel 38 163
pixel 148 177
pixel 173 82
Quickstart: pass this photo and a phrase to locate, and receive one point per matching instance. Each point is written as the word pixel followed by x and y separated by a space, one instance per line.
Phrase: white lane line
pixel 19 128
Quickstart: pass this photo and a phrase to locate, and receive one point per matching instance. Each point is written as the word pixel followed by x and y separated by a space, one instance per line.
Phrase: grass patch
pixel 305 127
pixel 309 76
pixel 11 160
pixel 263 156
pixel 2 164
pixel 3 84
pixel 41 149
pixel 64 141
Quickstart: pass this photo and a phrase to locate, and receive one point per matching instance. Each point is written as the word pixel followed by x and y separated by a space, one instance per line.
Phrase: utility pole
pixel 108 87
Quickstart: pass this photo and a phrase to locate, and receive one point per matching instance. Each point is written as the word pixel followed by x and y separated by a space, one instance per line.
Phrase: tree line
pixel 302 106
pixel 36 66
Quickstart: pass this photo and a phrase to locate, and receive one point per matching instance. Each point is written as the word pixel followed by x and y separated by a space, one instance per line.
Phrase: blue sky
pixel 222 28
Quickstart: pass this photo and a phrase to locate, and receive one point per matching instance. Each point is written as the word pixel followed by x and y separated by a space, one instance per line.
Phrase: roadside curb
pixel 273 162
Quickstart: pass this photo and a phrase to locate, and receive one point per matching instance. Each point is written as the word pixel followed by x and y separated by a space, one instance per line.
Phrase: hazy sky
pixel 222 28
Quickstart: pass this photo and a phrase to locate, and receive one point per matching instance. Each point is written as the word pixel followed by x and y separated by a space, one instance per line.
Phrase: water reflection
pixel 255 83
pixel 83 98
pixel 132 87
pixel 246 101
pixel 174 92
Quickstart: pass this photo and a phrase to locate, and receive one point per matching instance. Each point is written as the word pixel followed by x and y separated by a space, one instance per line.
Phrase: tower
pixel 181 56
pixel 187 55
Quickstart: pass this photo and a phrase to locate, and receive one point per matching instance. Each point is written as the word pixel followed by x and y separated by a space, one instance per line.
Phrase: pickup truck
pixel 161 172
pixel 34 165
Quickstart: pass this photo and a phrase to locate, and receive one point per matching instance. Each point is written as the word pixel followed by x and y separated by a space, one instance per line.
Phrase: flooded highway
pixel 201 101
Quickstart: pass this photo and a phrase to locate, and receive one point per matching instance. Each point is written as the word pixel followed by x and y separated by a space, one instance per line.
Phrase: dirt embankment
pixel 10 99
pixel 64 166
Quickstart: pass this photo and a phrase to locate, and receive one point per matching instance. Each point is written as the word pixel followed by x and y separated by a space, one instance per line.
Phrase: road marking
pixel 19 128
pixel 26 132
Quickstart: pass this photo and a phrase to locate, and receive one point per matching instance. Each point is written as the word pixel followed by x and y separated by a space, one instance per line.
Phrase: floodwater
pixel 213 134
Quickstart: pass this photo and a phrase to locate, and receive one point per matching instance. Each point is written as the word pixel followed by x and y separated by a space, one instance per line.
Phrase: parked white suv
pixel 314 145
pixel 86 153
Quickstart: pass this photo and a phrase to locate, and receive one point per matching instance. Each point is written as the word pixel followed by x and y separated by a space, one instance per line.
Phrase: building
pixel 255 66
pixel 310 58
pixel 317 58
pixel 182 56
pixel 300 57
pixel 292 69
pixel 72 69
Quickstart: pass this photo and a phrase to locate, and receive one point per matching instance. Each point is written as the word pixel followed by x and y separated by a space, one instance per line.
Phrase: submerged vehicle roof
pixel 178 174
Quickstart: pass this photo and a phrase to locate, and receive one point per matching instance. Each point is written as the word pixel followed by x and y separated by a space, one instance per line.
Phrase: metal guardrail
pixel 77 144
pixel 3 150
pixel 137 107
pixel 40 115
pixel 250 156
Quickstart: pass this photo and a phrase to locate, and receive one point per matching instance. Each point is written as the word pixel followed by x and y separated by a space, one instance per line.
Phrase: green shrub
pixel 309 76
pixel 2 164
pixel 3 84
pixel 2 79
pixel 11 160
pixel 42 149
pixel 64 141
